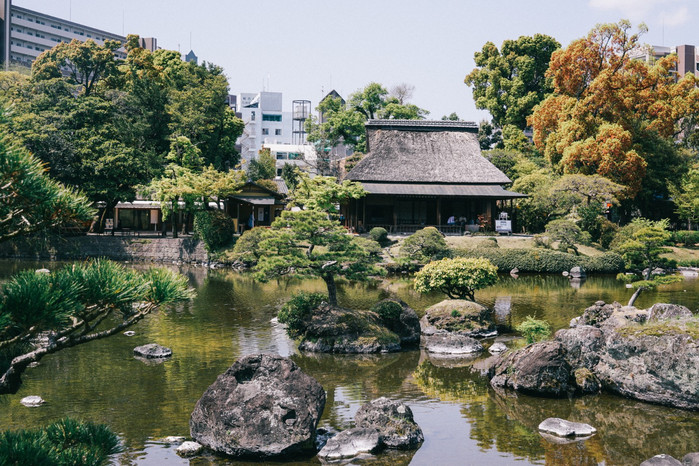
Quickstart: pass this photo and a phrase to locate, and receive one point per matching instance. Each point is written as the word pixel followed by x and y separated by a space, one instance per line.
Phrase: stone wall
pixel 111 247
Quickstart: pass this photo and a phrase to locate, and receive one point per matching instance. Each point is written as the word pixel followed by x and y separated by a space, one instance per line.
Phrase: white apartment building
pixel 265 122
pixel 300 155
pixel 25 33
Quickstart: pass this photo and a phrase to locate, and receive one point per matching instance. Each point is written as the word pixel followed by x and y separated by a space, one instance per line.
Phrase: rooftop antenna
pixel 190 40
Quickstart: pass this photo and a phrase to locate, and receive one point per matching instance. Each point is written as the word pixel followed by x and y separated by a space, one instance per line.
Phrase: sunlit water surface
pixel 464 420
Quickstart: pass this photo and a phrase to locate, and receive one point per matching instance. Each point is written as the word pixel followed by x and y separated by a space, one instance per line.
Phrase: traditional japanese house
pixel 426 173
pixel 256 205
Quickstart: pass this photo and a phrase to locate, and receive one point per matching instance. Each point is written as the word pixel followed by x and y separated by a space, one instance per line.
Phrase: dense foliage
pixel 30 200
pixel 297 311
pixel 64 443
pixel 388 310
pixel 247 247
pixel 214 227
pixel 380 235
pixel 534 330
pixel 544 261
pixel 71 306
pixel 458 278
pixel 425 245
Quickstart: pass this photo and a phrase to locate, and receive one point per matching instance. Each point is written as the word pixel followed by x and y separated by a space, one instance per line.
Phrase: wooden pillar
pixel 395 214
pixel 439 211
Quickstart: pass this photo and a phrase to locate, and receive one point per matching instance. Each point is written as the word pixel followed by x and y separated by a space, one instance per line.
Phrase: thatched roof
pixel 419 151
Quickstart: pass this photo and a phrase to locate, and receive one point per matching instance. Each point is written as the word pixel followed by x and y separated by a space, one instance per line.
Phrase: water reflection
pixel 461 416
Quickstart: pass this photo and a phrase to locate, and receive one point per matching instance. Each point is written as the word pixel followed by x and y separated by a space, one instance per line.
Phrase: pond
pixel 464 420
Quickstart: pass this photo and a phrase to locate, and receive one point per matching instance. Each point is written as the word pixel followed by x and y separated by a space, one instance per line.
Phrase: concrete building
pixel 25 33
pixel 301 155
pixel 265 122
pixel 687 58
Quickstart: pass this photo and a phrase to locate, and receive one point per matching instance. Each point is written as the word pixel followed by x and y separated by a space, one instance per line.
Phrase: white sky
pixel 305 48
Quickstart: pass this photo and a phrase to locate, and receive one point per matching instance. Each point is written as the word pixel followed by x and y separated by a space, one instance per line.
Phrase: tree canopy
pixel 458 278
pixel 612 115
pixel 30 200
pixel 510 82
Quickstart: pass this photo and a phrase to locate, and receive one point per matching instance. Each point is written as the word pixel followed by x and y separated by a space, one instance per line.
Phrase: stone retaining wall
pixel 111 247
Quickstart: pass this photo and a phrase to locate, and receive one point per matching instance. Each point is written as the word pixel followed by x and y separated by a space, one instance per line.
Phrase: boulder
pixel 32 401
pixel 691 459
pixel 174 440
pixel 497 348
pixel 407 326
pixel 585 381
pixel 538 369
pixel 333 329
pixel 452 344
pixel 350 443
pixel 152 351
pixel 577 272
pixel 661 460
pixel 664 311
pixel 458 316
pixel 563 428
pixel 583 344
pixel 262 407
pixel 188 449
pixel 394 422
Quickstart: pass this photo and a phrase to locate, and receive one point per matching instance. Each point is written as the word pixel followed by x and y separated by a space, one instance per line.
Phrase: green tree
pixel 30 200
pixel 642 255
pixel 510 82
pixel 425 245
pixel 86 63
pixel 307 243
pixel 264 167
pixel 290 175
pixel 458 278
pixel 566 232
pixel 75 305
pixel 488 135
pixel 324 193
pixel 685 195
pixel 451 117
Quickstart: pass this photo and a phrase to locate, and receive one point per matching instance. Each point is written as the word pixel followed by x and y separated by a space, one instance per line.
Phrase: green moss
pixel 689 328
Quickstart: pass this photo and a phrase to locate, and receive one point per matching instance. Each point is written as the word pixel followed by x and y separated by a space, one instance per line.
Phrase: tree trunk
pixel 332 289
pixel 635 295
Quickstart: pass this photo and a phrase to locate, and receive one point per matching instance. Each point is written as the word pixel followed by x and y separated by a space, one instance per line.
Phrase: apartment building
pixel 265 122
pixel 25 33
pixel 687 58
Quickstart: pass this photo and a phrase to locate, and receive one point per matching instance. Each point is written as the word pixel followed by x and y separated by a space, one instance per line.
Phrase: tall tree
pixel 612 115
pixel 510 82
pixel 30 201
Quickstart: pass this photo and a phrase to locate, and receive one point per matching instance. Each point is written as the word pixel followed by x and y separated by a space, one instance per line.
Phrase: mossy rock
pixel 458 316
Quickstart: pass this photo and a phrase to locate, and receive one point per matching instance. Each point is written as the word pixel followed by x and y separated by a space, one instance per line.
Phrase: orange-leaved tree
pixel 613 115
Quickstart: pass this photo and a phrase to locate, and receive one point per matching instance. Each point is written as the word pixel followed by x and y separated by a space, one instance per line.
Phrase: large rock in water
pixel 458 316
pixel 538 369
pixel 350 443
pixel 262 407
pixel 333 329
pixel 393 420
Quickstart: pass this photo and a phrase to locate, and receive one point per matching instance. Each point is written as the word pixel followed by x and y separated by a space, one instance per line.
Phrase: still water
pixel 464 420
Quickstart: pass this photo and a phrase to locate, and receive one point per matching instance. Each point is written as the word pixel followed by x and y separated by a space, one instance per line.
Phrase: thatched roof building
pixel 421 172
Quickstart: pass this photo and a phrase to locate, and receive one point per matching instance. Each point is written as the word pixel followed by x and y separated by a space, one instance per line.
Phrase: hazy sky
pixel 305 48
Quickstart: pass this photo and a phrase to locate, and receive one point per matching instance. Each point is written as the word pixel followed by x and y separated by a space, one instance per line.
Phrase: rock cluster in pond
pixel 32 401
pixel 152 351
pixel 650 355
pixel 379 424
pixel 333 329
pixel 262 407
pixel 690 459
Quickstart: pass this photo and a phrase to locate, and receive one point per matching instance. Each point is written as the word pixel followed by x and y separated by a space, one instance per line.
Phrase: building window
pixel 279 172
pixel 294 155
pixel 266 117
pixel 277 132
pixel 265 131
pixel 252 116
pixel 281 155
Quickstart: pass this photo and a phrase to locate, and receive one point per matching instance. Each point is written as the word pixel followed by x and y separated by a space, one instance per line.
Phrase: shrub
pixel 66 442
pixel 214 227
pixel 455 313
pixel 688 263
pixel 544 261
pixel 607 232
pixel 425 245
pixel 389 311
pixel 566 232
pixel 627 232
pixel 687 237
pixel 591 219
pixel 457 278
pixel 380 235
pixel 247 247
pixel 296 312
pixel 534 330
pixel 369 245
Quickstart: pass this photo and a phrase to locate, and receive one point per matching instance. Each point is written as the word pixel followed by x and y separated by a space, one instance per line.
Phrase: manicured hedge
pixel 543 260
pixel 686 237
pixel 214 227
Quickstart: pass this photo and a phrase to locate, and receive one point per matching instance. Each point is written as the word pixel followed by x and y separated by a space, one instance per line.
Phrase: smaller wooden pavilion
pixel 256 205
pixel 426 173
